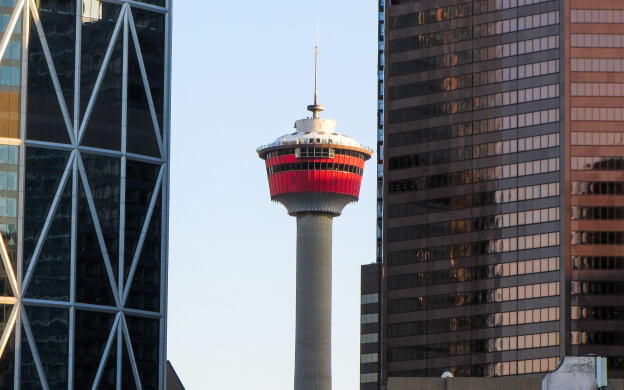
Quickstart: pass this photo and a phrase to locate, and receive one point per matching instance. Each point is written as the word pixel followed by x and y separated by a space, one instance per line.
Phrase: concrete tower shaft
pixel 314 279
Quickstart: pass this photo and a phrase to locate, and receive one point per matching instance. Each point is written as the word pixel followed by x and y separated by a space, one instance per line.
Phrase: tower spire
pixel 316 108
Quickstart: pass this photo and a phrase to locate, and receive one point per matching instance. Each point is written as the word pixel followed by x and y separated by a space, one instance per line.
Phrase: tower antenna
pixel 316 62
pixel 316 108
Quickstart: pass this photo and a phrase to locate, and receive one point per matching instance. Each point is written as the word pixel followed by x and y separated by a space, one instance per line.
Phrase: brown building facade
pixel 501 188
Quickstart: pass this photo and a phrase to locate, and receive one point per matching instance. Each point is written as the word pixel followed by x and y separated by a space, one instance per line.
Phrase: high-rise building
pixel 501 201
pixel 314 172
pixel 84 188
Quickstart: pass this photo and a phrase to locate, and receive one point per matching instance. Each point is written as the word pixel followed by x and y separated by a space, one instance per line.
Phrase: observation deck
pixel 315 169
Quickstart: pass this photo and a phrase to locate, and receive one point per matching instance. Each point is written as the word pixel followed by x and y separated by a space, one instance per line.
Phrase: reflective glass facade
pixel 594 130
pixel 84 151
pixel 500 206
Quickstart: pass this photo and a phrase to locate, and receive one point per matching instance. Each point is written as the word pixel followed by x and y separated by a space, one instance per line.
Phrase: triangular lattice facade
pixel 84 148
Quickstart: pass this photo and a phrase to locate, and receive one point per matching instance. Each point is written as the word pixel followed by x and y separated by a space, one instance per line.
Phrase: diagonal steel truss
pixel 18 324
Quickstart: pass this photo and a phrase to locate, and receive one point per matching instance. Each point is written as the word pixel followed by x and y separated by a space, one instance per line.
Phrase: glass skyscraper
pixel 500 212
pixel 84 190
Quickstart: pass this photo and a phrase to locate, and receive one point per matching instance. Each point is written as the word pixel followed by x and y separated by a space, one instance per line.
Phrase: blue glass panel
pixel 141 132
pixel 104 174
pixel 44 120
pixel 7 360
pixel 50 279
pixel 29 377
pixel 92 283
pixel 140 181
pixel 144 334
pixel 145 289
pixel 51 333
pixel 150 27
pixel 92 331
pixel 44 170
pixel 104 126
pixel 58 19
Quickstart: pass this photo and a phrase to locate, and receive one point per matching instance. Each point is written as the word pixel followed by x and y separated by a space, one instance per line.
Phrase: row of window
pixel 482 272
pixel 314 166
pixel 484 321
pixel 368 338
pixel 517 48
pixel 427 40
pixel 475 151
pixel 477 199
pixel 602 313
pixel 597 238
pixel 477 224
pixel 459 106
pixel 477 127
pixel 597 263
pixel 597 188
pixel 597 89
pixel 8 207
pixel 597 338
pixel 475 176
pixel 468 249
pixel 598 163
pixel 369 298
pixel 315 152
pixel 597 114
pixel 432 15
pixel 8 181
pixel 369 318
pixel 370 377
pixel 597 16
pixel 517 24
pixel 472 56
pixel 474 346
pixel 605 213
pixel 328 152
pixel 441 14
pixel 9 154
pixel 369 358
pixel 516 73
pixel 424 64
pixel 597 138
pixel 597 65
pixel 519 367
pixel 597 40
pixel 596 287
pixel 479 297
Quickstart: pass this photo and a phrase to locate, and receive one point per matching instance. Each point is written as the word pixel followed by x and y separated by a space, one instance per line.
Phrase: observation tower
pixel 314 172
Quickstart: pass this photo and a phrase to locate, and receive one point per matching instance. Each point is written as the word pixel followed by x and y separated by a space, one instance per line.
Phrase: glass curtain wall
pixel 83 193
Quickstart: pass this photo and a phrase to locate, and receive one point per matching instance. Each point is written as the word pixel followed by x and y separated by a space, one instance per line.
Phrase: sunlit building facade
pixel 500 218
pixel 84 187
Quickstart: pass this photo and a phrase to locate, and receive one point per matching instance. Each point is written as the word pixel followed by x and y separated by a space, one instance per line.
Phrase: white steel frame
pixel 18 323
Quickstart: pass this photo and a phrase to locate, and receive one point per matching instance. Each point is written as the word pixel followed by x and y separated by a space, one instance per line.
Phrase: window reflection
pixel 484 272
pixel 478 297
pixel 473 346
pixel 476 248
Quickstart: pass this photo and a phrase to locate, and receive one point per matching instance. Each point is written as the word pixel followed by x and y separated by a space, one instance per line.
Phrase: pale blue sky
pixel 242 74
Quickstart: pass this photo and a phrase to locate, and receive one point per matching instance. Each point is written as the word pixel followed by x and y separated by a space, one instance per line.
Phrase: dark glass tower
pixel 84 187
pixel 500 224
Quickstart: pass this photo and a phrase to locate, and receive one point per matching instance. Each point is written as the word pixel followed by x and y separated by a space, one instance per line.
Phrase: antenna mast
pixel 316 108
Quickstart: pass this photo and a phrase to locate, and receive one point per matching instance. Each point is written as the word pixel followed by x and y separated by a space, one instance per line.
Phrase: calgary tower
pixel 314 172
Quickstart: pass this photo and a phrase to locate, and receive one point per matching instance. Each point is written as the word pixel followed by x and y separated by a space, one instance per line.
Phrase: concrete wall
pixel 524 382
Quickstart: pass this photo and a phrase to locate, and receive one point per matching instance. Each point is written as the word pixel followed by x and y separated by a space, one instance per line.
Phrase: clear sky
pixel 242 74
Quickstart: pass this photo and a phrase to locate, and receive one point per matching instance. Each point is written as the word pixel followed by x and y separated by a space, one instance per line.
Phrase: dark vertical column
pixel 313 334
